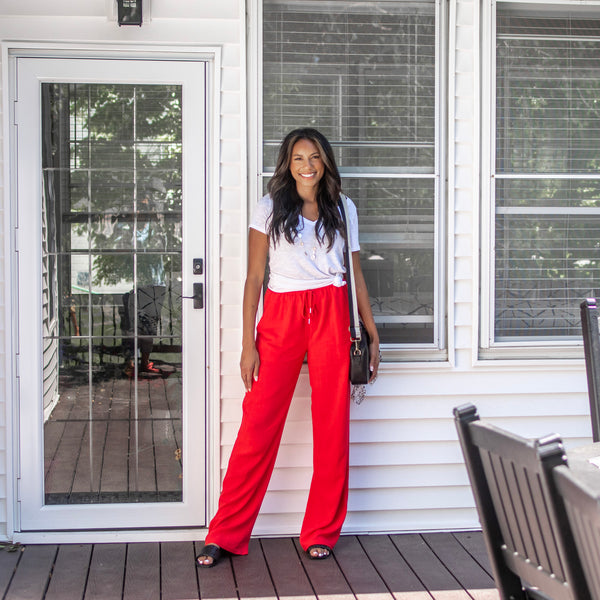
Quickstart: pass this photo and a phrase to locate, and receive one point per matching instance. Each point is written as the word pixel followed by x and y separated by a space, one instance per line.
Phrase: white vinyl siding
pixel 407 472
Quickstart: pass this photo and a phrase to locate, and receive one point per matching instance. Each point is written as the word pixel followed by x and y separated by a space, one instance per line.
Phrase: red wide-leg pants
pixel 314 323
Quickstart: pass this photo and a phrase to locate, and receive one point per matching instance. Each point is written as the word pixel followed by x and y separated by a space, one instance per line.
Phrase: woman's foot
pixel 209 556
pixel 318 551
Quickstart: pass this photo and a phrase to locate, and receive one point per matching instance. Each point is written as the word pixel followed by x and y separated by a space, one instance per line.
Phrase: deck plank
pixel 393 569
pixel 107 569
pixel 8 563
pixel 287 573
pixel 429 569
pixel 31 578
pixel 364 582
pixel 178 571
pixel 457 560
pixel 474 544
pixel 252 575
pixel 142 572
pixel 325 576
pixel 218 582
pixel 70 572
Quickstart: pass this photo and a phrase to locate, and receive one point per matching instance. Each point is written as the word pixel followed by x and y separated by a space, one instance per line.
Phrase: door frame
pixel 211 55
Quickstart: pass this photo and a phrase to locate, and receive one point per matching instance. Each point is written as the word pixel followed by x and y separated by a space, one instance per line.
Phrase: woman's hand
pixel 375 359
pixel 249 366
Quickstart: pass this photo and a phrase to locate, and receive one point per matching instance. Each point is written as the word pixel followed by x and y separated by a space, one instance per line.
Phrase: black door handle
pixel 197 295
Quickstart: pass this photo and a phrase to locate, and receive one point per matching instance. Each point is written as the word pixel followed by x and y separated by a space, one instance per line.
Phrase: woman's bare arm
pixel 258 248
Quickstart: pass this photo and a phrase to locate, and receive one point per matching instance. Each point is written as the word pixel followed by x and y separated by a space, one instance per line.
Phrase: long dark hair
pixel 287 204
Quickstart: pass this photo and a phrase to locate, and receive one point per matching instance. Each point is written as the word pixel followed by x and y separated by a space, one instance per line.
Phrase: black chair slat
pixel 501 500
pixel 547 543
pixel 520 495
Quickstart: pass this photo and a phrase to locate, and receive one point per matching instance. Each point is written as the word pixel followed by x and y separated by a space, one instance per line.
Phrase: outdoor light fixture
pixel 129 12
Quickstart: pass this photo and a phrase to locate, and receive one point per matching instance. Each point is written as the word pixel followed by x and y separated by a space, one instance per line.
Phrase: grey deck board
pixel 365 582
pixel 31 578
pixel 178 572
pixel 443 566
pixel 69 575
pixel 325 576
pixel 8 564
pixel 456 559
pixel 399 578
pixel 218 582
pixel 288 575
pixel 142 572
pixel 438 580
pixel 107 569
pixel 474 544
pixel 252 574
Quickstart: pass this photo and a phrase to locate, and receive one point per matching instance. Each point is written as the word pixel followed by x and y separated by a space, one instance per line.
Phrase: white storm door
pixel 111 184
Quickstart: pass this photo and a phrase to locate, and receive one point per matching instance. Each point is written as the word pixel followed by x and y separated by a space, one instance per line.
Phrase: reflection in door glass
pixel 112 321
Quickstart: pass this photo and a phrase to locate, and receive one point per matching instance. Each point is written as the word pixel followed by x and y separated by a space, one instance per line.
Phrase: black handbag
pixel 359 349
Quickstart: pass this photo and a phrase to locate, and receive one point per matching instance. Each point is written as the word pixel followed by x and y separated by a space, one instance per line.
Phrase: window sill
pixel 567 353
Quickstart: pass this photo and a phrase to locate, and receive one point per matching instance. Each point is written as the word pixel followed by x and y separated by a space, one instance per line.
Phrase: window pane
pixel 547 196
pixel 545 266
pixel 362 73
pixel 397 241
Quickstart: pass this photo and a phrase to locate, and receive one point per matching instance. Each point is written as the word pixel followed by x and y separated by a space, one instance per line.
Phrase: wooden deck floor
pixel 440 566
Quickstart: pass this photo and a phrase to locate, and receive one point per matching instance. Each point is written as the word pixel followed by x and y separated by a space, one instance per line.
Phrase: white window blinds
pixel 364 74
pixel 547 173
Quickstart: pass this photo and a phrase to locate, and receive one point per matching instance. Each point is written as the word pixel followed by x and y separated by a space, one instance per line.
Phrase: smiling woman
pixel 298 227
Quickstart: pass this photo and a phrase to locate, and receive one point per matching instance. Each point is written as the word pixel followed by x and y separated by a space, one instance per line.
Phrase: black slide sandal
pixel 210 551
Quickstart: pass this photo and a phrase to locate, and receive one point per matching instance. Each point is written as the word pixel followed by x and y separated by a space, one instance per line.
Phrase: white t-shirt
pixel 305 264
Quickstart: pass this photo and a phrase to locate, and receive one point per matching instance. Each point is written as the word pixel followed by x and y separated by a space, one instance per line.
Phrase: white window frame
pixel 438 349
pixel 489 348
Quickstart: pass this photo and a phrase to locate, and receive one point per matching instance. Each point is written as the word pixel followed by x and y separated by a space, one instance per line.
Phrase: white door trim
pixel 212 56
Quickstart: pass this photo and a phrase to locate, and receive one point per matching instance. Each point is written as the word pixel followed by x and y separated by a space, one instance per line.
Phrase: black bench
pixel 524 523
pixel 591 347
pixel 579 492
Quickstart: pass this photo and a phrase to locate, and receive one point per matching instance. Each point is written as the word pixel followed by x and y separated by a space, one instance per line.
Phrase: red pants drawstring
pixel 312 323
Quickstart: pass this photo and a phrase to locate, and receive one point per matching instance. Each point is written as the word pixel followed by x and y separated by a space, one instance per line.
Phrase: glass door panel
pixel 111 161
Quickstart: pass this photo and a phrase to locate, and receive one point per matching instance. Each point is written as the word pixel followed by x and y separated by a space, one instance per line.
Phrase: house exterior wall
pixel 407 472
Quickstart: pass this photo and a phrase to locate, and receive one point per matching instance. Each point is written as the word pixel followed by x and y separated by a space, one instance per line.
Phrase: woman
pixel 299 227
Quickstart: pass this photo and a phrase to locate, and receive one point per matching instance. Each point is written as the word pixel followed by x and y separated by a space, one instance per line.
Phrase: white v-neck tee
pixel 305 264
